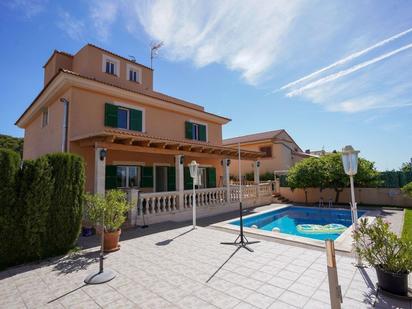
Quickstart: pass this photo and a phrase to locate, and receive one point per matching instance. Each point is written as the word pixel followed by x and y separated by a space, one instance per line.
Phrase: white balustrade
pixel 168 202
pixel 158 202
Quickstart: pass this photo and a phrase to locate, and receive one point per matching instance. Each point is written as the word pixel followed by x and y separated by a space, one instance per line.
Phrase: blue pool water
pixel 286 219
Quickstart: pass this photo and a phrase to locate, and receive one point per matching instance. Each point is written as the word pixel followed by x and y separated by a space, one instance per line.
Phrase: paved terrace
pixel 176 267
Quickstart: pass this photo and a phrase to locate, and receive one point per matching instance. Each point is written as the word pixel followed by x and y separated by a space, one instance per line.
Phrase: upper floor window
pixel 133 73
pixel 45 118
pixel 110 65
pixel 195 131
pixel 267 150
pixel 123 117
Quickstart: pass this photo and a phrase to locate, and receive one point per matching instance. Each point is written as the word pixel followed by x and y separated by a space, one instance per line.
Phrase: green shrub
pixel 112 207
pixel 9 169
pixel 33 203
pixel 65 213
pixel 407 189
pixel 379 246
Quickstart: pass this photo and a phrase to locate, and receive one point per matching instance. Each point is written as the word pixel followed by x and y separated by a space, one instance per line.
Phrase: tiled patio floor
pixel 184 268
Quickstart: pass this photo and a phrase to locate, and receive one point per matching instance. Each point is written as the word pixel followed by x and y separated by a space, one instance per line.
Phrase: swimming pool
pixel 287 220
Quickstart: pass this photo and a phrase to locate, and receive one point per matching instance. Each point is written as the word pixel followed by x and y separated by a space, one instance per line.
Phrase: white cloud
pixel 245 36
pixel 103 14
pixel 30 8
pixel 72 26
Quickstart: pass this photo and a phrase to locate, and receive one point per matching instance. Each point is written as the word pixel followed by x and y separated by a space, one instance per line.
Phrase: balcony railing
pixel 168 202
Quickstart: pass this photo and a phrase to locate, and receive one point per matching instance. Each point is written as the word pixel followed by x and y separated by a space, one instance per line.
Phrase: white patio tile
pixel 294 299
pixel 259 300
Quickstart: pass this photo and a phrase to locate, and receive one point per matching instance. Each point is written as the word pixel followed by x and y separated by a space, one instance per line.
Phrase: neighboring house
pixel 280 152
pixel 102 107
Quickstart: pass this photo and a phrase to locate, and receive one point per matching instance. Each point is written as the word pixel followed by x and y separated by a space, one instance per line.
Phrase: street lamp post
pixel 194 173
pixel 350 165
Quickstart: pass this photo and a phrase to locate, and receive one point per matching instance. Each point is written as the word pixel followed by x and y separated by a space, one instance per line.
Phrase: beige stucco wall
pixel 39 141
pixel 371 196
pixel 57 61
pixel 87 116
pixel 148 159
pixel 282 159
pixel 88 62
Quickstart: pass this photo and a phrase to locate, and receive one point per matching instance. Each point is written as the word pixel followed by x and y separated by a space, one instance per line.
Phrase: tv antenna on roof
pixel 132 58
pixel 154 50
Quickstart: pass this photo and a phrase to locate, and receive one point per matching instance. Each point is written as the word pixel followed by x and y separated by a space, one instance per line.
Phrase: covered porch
pixel 154 172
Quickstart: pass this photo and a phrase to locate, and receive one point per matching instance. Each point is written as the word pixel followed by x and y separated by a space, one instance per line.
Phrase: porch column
pixel 99 170
pixel 179 160
pixel 226 177
pixel 256 175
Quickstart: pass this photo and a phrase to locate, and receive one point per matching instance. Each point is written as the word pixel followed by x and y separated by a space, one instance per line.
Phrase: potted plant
pixel 389 254
pixel 108 212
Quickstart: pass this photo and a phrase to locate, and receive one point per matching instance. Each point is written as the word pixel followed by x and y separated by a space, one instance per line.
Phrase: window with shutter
pixel 188 130
pixel 147 177
pixel 211 177
pixel 202 132
pixel 188 180
pixel 111 177
pixel 195 131
pixel 171 178
pixel 110 115
pixel 136 120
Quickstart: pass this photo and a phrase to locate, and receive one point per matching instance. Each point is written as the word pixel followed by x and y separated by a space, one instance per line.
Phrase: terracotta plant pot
pixel 111 241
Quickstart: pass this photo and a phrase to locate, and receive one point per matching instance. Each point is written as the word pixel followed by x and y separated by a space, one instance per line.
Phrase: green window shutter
pixel 147 177
pixel 211 177
pixel 110 115
pixel 188 180
pixel 171 178
pixel 136 120
pixel 111 177
pixel 188 130
pixel 202 132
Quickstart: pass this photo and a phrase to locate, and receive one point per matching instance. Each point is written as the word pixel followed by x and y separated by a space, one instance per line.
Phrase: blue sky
pixel 329 72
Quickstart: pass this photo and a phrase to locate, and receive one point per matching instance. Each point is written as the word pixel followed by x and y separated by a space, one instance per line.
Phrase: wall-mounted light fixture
pixel 182 159
pixel 258 163
pixel 228 162
pixel 103 154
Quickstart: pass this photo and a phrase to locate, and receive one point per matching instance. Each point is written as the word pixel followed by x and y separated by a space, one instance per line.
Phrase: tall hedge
pixel 41 206
pixel 34 200
pixel 65 213
pixel 9 168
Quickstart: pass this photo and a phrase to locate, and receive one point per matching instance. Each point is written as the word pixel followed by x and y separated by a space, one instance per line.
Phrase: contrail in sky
pixel 348 58
pixel 342 73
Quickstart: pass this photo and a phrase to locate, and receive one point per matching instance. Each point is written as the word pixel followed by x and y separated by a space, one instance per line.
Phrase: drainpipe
pixel 65 123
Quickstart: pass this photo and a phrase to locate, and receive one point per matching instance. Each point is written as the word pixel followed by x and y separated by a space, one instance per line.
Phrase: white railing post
pixel 226 178
pixel 179 180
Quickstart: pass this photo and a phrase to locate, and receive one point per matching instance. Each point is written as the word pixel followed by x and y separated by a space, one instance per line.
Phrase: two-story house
pixel 279 152
pixel 102 107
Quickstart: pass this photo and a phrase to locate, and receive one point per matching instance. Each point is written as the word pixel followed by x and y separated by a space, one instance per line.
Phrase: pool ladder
pixel 322 204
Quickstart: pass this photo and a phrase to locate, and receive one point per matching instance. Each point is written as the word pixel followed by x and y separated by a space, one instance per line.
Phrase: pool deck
pixel 170 265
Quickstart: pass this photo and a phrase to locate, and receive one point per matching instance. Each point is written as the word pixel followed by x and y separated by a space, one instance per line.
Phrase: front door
pixel 161 179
